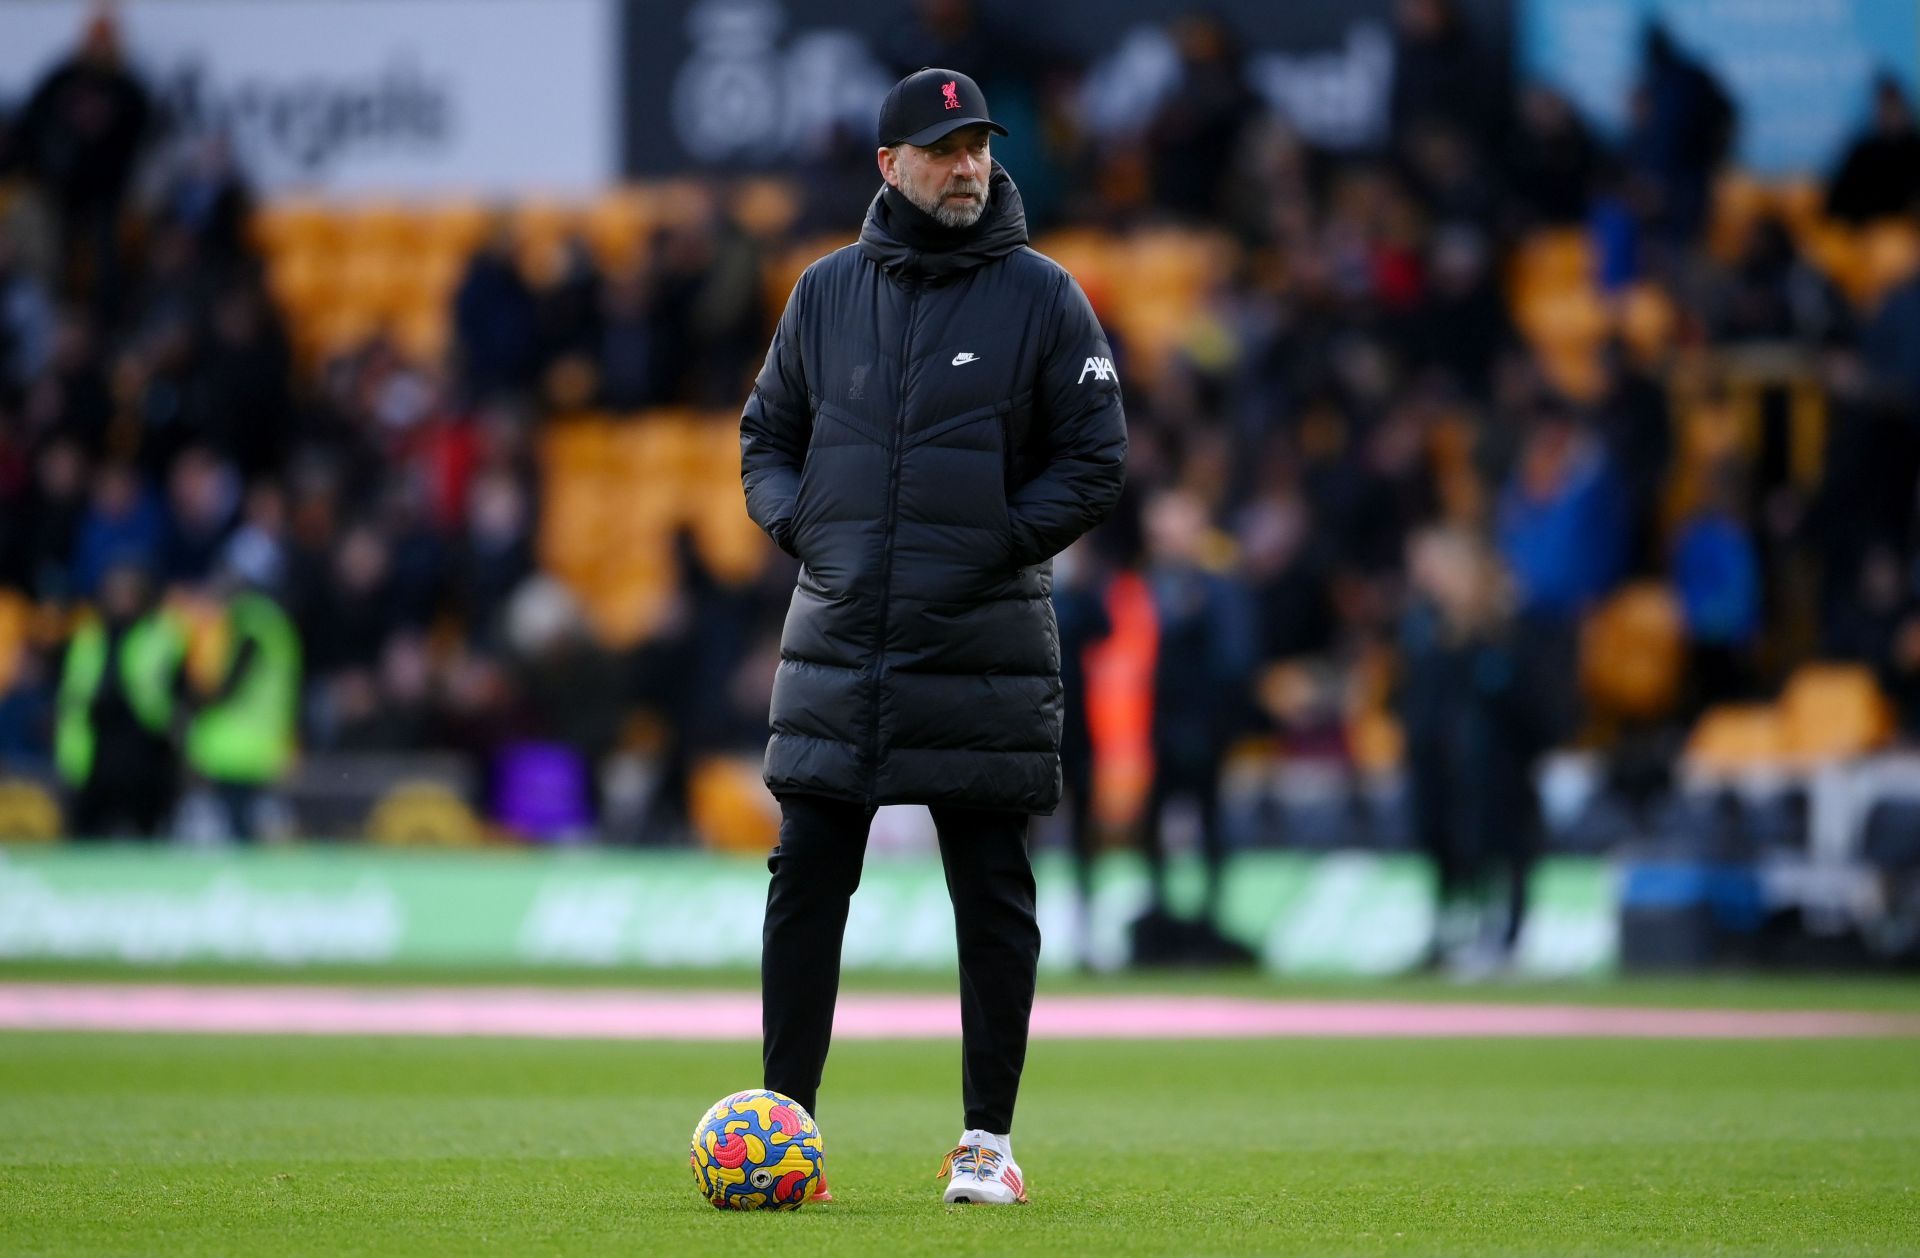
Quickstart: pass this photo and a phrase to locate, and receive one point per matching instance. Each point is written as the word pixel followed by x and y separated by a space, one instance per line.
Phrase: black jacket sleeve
pixel 775 427
pixel 1082 434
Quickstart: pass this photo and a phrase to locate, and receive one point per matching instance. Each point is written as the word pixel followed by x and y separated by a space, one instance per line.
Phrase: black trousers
pixel 816 868
pixel 1193 772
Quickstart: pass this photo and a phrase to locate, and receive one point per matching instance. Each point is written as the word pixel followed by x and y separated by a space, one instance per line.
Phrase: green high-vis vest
pixel 151 655
pixel 248 737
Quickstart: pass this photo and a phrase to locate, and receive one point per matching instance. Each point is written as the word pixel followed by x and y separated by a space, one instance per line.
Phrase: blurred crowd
pixel 1354 484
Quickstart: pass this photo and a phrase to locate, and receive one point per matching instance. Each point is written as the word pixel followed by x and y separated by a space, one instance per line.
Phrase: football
pixel 757 1150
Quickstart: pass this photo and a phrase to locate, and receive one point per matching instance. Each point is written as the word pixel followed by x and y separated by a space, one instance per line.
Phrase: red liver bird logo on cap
pixel 951 90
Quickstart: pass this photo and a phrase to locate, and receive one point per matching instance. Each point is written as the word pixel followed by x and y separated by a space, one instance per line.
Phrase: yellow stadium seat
pixel 1735 738
pixel 1801 203
pixel 766 207
pixel 16 621
pixel 1633 652
pixel 423 335
pixel 373 280
pixel 384 227
pixel 1890 255
pixel 28 812
pixel 541 218
pixel 1739 202
pixel 1832 711
pixel 340 328
pixel 1646 319
pixel 1554 259
pixel 730 807
pixel 454 227
pixel 618 226
pixel 1835 250
pixel 1376 741
pixel 302 281
pixel 1087 254
pixel 294 224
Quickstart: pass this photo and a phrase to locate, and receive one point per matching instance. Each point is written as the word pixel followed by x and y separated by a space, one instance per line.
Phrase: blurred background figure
pixel 1879 176
pixel 80 134
pixel 1684 125
pixel 242 739
pixel 121 709
pixel 1203 663
pixel 1476 700
pixel 1081 613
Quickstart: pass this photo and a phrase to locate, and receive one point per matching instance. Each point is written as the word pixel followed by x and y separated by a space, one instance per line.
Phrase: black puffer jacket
pixel 937 418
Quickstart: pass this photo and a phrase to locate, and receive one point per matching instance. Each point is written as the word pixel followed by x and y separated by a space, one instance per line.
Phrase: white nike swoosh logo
pixel 959 359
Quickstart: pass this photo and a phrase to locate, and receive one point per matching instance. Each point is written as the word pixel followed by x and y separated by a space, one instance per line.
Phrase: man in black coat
pixel 937 418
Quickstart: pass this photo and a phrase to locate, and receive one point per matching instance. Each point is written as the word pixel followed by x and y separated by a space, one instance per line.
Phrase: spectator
pixel 496 555
pixel 356 615
pixel 81 133
pixel 26 322
pixel 1463 323
pixel 257 551
pixel 40 543
pixel 496 321
pixel 573 703
pixel 1285 569
pixel 1890 343
pixel 419 558
pixel 1081 613
pixel 1203 664
pixel 707 317
pixel 1716 573
pixel 1683 129
pixel 119 700
pixel 390 710
pixel 208 198
pixel 28 713
pixel 123 525
pixel 1553 161
pixel 632 369
pixel 1440 77
pixel 242 738
pixel 1197 129
pixel 1772 293
pixel 203 501
pixel 1880 175
pixel 69 399
pixel 1635 424
pixel 1562 520
pixel 243 407
pixel 951 33
pixel 1478 705
pixel 570 307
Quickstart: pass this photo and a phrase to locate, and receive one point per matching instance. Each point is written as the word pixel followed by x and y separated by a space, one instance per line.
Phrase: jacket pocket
pixel 803 492
pixel 1007 418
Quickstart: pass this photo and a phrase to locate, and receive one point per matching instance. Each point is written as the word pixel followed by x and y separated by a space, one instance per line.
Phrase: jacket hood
pixel 902 239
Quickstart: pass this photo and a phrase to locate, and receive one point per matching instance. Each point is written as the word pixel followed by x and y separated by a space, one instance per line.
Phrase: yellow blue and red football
pixel 757 1150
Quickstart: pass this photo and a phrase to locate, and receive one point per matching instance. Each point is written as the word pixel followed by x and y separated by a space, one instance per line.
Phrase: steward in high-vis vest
pixel 242 740
pixel 119 700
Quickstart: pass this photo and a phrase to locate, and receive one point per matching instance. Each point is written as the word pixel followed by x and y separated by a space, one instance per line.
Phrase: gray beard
pixel 953 215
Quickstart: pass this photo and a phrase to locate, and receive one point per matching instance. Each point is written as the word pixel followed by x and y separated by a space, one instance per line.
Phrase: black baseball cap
pixel 929 103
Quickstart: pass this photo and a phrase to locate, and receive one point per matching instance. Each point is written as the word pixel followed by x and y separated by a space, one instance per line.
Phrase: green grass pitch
pixel 236 1145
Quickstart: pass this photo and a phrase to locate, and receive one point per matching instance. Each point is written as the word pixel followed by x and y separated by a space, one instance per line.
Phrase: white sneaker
pixel 983 1172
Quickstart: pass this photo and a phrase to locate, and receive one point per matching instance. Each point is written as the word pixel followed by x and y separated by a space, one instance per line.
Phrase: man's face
pixel 947 179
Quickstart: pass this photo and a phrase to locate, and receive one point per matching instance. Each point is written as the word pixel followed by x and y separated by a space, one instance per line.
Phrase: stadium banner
pixel 765 83
pixel 1343 913
pixel 1799 70
pixel 353 97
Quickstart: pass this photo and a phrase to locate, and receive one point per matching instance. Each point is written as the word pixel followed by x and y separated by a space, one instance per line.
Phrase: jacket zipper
pixel 886 555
